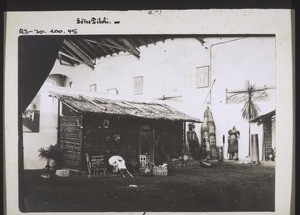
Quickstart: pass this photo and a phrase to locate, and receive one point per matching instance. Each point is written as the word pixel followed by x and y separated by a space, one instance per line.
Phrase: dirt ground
pixel 227 186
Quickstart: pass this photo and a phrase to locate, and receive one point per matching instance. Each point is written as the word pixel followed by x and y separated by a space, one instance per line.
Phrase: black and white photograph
pixel 149 121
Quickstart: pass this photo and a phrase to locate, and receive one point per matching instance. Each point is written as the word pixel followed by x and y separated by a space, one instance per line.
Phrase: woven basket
pixel 160 171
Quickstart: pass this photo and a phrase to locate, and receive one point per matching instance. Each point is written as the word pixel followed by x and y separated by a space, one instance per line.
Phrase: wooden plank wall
pixel 267 139
pixel 97 137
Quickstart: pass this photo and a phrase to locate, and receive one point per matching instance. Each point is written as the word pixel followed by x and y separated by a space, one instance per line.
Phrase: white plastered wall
pixel 169 68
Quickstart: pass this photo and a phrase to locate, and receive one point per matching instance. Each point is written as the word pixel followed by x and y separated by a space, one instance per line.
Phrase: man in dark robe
pixel 194 147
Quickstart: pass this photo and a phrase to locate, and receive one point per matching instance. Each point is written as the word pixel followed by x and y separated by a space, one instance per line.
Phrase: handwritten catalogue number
pixel 52 31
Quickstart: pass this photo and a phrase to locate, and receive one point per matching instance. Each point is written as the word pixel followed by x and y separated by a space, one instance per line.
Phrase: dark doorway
pixel 147 146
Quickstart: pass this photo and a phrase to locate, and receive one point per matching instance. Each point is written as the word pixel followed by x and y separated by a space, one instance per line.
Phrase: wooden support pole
pixel 102 139
pixel 153 146
pixel 139 139
pixel 184 139
pixel 81 154
pixel 264 142
pixel 58 123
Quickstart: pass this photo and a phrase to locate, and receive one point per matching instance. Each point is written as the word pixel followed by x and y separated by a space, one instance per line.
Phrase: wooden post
pixel 139 138
pixel 102 139
pixel 255 150
pixel 264 144
pixel 58 123
pixel 81 156
pixel 184 139
pixel 153 146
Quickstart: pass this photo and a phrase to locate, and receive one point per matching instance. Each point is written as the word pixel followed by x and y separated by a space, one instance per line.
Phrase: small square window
pixel 113 91
pixel 93 87
pixel 138 85
pixel 202 77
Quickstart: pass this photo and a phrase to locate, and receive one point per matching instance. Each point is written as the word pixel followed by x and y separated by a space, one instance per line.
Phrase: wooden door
pixel 147 141
pixel 70 140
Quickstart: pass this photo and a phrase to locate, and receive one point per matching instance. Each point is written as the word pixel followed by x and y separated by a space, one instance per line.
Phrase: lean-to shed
pixel 101 126
pixel 268 121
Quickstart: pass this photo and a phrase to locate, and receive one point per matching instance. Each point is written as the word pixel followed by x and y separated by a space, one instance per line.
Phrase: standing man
pixel 194 147
pixel 233 147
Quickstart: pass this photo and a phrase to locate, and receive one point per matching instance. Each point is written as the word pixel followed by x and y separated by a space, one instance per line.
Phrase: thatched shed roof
pixel 157 111
pixel 262 118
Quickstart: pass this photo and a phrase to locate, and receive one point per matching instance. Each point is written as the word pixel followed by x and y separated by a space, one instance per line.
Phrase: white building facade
pixel 182 72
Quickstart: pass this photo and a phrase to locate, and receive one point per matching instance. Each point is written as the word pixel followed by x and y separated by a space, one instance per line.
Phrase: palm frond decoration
pixel 250 109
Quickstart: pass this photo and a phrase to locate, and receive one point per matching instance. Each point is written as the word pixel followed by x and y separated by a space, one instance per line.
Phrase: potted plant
pixel 53 155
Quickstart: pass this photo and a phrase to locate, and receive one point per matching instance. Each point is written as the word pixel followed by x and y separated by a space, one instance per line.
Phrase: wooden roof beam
pixel 117 45
pixel 103 43
pixel 90 41
pixel 133 42
pixel 62 59
pixel 152 41
pixel 69 51
pixel 98 45
pixel 94 49
pixel 121 47
pixel 93 45
pixel 70 57
pixel 143 42
pixel 86 49
pixel 73 52
pixel 104 50
pixel 80 50
pixel 201 40
pixel 77 50
pixel 131 47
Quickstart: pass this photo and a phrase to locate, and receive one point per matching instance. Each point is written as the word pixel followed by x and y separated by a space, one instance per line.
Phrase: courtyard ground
pixel 227 186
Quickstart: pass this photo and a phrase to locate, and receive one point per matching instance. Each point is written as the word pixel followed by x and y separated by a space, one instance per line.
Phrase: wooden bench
pixel 96 165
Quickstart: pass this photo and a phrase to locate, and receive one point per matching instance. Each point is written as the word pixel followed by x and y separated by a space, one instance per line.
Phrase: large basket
pixel 161 171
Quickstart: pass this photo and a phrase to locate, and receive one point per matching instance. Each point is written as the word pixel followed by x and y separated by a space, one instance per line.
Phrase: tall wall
pixel 47 134
pixel 170 68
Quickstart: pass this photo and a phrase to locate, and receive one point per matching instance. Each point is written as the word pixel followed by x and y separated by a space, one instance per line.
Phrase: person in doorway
pixel 194 147
pixel 233 147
